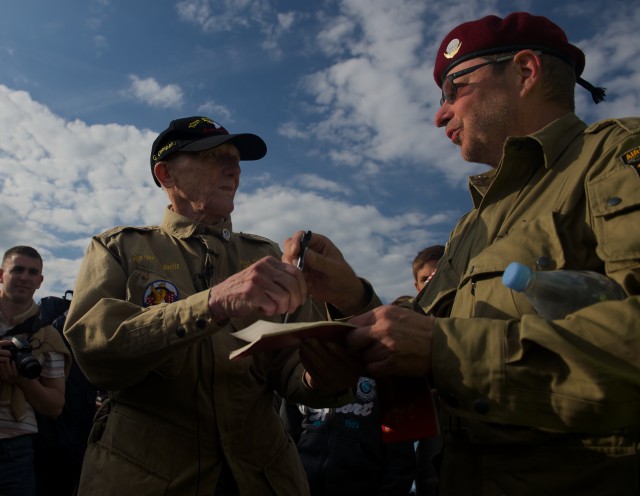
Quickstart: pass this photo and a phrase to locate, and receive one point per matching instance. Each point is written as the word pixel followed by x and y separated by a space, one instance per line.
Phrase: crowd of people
pixel 526 405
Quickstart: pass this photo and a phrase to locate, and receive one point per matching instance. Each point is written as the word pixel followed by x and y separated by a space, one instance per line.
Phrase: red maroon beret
pixel 517 31
pixel 491 34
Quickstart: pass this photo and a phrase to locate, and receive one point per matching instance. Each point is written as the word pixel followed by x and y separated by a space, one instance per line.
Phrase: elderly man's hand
pixel 269 286
pixel 393 341
pixel 329 277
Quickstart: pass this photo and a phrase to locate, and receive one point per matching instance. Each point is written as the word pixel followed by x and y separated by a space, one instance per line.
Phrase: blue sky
pixel 341 90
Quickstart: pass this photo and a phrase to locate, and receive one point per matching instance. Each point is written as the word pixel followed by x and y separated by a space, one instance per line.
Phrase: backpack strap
pixel 28 327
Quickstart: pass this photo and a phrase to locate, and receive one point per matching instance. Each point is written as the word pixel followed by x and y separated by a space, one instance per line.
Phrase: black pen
pixel 303 249
pixel 300 265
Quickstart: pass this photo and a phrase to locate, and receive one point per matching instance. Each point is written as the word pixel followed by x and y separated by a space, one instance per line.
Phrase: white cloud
pixel 317 183
pixel 100 42
pixel 228 15
pixel 331 39
pixel 375 100
pixel 286 20
pixel 220 16
pixel 612 61
pixel 370 109
pixel 62 182
pixel 149 91
pixel 378 247
pixel 291 130
pixel 217 112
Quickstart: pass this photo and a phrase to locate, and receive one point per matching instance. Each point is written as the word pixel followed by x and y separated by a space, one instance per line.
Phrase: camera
pixel 27 365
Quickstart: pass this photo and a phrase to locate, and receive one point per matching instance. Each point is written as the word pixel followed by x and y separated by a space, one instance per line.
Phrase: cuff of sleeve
pixel 373 301
pixel 479 341
pixel 190 320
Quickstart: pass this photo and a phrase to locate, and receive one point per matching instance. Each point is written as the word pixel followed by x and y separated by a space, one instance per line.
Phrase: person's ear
pixel 529 70
pixel 163 174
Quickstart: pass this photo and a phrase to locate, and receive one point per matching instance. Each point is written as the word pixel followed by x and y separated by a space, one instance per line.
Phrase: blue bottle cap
pixel 516 276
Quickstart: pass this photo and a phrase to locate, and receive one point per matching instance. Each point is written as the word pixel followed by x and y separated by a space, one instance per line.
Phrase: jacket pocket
pixel 107 472
pixel 146 287
pixel 615 203
pixel 535 243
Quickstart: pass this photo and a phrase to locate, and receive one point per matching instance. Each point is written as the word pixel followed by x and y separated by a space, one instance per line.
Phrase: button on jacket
pixel 140 326
pixel 535 406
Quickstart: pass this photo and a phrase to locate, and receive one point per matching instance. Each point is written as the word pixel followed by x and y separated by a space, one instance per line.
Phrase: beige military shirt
pixel 140 327
pixel 566 197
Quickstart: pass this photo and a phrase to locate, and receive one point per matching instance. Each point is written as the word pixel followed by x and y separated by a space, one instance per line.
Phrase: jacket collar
pixel 549 142
pixel 183 227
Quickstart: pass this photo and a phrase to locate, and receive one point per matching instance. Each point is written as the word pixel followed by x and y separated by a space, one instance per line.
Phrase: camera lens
pixel 27 365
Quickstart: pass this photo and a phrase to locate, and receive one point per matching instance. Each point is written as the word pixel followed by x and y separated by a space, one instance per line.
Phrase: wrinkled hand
pixel 393 341
pixel 269 286
pixel 330 366
pixel 329 277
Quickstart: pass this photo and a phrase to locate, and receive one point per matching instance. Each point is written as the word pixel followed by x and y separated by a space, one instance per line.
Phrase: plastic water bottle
pixel 556 293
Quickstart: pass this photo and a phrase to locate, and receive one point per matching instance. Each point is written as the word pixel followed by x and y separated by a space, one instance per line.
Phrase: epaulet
pixel 629 124
pixel 259 239
pixel 117 230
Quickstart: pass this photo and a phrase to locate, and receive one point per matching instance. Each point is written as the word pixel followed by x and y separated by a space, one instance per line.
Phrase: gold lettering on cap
pixel 164 150
pixel 202 119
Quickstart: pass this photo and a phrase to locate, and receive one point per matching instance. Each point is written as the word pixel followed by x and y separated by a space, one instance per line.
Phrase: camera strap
pixel 29 327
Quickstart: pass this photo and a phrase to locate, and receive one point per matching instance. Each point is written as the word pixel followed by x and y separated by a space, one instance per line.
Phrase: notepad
pixel 265 336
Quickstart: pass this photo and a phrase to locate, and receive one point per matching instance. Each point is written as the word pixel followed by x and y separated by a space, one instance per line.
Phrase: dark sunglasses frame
pixel 455 75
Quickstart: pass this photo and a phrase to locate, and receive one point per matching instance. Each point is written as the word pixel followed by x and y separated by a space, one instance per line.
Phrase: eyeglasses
pixel 449 88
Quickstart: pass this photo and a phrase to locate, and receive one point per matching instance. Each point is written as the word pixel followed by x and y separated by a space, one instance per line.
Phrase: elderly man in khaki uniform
pixel 150 322
pixel 529 406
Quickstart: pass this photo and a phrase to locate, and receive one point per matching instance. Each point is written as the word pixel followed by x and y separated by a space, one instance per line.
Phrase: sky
pixel 342 92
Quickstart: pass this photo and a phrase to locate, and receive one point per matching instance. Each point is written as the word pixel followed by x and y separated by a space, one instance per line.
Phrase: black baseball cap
pixel 195 134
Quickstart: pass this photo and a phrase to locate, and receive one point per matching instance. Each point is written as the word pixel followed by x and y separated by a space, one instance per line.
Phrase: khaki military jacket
pixel 535 406
pixel 140 327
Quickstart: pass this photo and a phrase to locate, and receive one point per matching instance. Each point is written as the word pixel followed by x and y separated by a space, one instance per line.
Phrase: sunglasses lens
pixel 448 91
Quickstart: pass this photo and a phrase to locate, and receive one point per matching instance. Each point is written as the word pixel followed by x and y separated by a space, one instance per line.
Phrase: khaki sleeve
pixel 579 374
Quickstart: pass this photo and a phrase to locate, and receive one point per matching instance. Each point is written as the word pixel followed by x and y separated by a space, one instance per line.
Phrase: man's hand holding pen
pixel 301 256
pixel 389 340
pixel 329 365
pixel 329 277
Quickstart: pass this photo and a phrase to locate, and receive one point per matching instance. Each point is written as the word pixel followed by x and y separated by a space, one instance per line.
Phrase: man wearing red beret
pixel 530 406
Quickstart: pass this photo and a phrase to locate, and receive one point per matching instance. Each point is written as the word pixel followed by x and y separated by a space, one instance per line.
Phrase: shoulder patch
pixel 159 292
pixel 632 157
